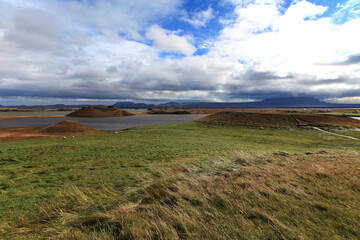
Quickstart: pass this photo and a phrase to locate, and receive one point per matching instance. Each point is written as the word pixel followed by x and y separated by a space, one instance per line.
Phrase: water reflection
pixel 113 123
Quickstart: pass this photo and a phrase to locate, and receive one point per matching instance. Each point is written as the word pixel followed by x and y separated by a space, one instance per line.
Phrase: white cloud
pixel 198 19
pixel 298 42
pixel 293 44
pixel 302 10
pixel 169 41
pixel 100 50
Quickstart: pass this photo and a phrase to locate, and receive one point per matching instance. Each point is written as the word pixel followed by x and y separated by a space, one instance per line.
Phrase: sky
pixel 105 51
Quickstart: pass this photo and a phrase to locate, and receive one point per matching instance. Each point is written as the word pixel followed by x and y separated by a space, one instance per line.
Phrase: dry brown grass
pixel 16 134
pixel 327 121
pixel 243 196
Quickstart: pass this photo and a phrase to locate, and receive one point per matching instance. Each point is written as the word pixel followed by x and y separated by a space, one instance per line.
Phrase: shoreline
pixel 31 116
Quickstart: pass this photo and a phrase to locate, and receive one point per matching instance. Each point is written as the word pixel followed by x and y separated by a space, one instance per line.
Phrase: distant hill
pixel 293 102
pixel 131 105
pixel 99 111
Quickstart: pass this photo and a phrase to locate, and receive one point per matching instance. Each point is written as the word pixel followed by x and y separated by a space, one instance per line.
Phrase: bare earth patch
pixel 32 116
pixel 66 128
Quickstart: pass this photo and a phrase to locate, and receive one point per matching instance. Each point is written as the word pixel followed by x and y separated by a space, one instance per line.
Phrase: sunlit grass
pixel 193 180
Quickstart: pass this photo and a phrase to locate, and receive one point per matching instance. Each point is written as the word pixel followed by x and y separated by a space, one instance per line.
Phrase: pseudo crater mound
pixel 67 127
pixel 278 120
pixel 99 111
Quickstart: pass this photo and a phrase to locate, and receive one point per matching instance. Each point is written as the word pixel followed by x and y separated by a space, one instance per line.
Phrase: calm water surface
pixel 112 123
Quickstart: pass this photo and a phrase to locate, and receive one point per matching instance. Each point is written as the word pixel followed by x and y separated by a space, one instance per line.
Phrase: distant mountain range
pixel 288 102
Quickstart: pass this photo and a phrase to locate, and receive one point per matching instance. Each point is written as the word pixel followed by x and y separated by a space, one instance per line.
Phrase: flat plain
pixel 196 180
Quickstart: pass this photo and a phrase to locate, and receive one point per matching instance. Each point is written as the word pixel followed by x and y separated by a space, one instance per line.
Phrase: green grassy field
pixel 183 181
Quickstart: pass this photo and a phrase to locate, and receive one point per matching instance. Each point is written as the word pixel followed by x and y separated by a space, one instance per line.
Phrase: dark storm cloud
pixel 259 94
pixel 338 80
pixel 352 59
pixel 261 85
pixel 258 76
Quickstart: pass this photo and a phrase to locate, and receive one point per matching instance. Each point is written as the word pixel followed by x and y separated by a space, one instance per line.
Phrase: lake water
pixel 357 118
pixel 112 123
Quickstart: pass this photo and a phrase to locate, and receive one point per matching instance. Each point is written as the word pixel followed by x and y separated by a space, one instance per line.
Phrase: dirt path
pixel 31 116
pixel 336 134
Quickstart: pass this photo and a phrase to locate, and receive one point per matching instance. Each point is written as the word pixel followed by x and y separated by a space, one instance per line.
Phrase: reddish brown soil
pixel 65 128
pixel 68 126
pixel 28 116
pixel 258 119
pixel 100 111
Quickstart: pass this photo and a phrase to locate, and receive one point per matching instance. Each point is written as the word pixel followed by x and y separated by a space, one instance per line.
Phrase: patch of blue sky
pixel 201 51
pixel 346 11
pixel 285 5
pixel 201 34
pixel 242 61
pixel 170 55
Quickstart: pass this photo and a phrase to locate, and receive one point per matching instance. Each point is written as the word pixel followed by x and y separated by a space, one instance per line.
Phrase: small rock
pixel 281 153
pixel 116 132
pixel 73 136
pixel 309 153
pixel 64 137
pixel 322 152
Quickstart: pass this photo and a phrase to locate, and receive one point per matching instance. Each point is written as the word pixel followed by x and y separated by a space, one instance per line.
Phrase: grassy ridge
pixel 190 180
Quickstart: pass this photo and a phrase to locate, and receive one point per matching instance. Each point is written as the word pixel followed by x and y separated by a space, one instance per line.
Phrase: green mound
pixel 100 111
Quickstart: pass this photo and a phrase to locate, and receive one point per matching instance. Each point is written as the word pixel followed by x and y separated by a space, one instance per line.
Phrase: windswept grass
pixel 185 181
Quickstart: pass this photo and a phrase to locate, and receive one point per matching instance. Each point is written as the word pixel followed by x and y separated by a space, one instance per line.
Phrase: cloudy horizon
pixel 101 52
